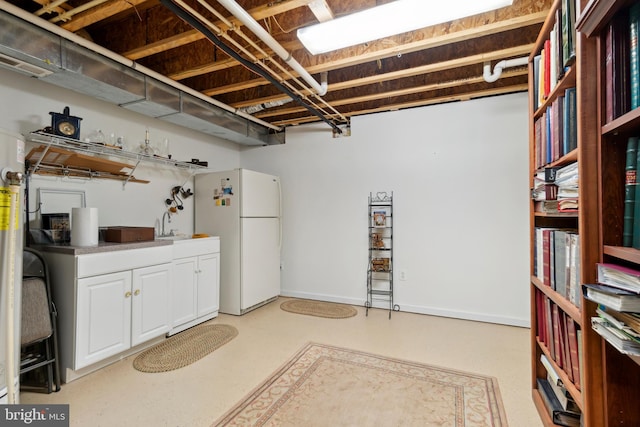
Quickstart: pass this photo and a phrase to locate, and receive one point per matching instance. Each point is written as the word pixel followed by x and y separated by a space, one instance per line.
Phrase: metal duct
pixel 28 49
pixel 160 100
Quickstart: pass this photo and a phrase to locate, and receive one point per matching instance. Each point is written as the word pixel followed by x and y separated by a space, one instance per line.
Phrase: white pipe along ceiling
pixel 491 77
pixel 244 17
pixel 34 57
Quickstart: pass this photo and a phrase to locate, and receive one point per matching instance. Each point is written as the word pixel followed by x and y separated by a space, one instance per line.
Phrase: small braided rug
pixel 319 308
pixel 184 348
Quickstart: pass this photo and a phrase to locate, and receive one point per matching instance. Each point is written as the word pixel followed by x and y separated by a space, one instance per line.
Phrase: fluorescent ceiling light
pixel 387 20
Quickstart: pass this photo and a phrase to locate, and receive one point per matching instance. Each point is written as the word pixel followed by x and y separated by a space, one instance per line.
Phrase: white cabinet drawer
pixel 194 247
pixel 109 262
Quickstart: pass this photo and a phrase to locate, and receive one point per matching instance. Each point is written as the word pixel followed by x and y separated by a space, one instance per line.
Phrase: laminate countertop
pixel 101 248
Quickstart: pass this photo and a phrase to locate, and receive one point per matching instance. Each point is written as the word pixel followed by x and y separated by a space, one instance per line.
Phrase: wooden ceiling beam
pixel 425 69
pixel 393 93
pixel 258 13
pixel 99 13
pixel 421 103
pixel 345 60
pixel 418 40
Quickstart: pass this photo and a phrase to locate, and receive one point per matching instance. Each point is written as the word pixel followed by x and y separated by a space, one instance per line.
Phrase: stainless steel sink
pixel 174 238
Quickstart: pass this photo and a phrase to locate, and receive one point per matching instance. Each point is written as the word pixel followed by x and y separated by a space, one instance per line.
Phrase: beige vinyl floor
pixel 198 394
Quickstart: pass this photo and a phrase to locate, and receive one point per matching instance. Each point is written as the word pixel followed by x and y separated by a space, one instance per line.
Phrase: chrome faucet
pixel 167 214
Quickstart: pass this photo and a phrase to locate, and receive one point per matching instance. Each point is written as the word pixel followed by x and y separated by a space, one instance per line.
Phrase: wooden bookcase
pixel 608 393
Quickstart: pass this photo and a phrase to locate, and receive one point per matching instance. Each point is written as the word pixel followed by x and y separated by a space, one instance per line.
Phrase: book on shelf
pixel 536 82
pixel 567 180
pixel 630 320
pixel 557 331
pixel 556 261
pixel 570 122
pixel 615 298
pixel 558 341
pixel 547 69
pixel 561 251
pixel 619 277
pixel 617 65
pixel 574 292
pixel 634 55
pixel 574 354
pixel 558 414
pixel 568 17
pixel 631 164
pixel 552 375
pixel 555 132
pixel 618 338
pixel 541 96
pixel 548 309
pixel 580 358
pixel 635 233
pixel 556 206
pixel 562 394
pixel 569 204
pixel 557 53
pixel 553 57
pixel 544 191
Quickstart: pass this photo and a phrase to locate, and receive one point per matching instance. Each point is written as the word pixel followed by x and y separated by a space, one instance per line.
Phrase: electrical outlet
pixel 403 275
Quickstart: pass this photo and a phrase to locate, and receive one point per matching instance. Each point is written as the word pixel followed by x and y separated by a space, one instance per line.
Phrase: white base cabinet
pixel 108 303
pixel 196 282
pixel 121 310
pixel 112 303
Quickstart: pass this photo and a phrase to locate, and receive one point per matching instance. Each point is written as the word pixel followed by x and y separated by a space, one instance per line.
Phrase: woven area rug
pixel 318 308
pixel 184 348
pixel 332 386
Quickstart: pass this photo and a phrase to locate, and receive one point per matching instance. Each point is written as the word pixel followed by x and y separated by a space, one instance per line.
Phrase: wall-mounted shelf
pixel 68 157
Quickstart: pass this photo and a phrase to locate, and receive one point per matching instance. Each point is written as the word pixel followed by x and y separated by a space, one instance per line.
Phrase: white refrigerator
pixel 243 208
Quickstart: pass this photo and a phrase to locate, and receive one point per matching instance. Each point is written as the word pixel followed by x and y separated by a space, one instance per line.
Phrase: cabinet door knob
pixel 127 294
pixel 136 292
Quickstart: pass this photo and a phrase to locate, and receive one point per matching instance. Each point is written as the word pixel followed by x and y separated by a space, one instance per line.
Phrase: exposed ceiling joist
pixel 441 63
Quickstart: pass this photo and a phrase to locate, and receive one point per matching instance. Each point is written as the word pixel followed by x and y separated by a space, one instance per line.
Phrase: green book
pixel 634 54
pixel 636 212
pixel 630 190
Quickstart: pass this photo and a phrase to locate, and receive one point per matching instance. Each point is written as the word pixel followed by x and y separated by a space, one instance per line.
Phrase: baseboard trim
pixel 431 311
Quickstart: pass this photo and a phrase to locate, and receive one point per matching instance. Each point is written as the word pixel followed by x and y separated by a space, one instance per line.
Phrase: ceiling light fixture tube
pixel 387 20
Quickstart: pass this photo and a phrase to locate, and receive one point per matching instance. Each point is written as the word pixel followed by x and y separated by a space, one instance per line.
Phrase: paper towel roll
pixel 84 226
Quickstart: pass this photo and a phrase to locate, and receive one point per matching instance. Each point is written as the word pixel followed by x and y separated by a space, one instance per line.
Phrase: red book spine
pixel 608 82
pixel 573 352
pixel 546 260
pixel 555 317
pixel 547 68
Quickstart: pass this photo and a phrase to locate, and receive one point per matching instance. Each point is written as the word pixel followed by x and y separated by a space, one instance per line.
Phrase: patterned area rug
pixel 319 308
pixel 331 386
pixel 184 348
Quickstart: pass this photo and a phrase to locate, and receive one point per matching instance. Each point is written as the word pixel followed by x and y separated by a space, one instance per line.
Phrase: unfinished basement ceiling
pixel 437 64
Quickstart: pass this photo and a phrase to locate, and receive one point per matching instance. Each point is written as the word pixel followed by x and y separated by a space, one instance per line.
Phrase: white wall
pixel 459 176
pixel 459 173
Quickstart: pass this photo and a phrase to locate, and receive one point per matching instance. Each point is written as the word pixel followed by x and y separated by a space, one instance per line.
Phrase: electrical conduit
pixel 258 30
